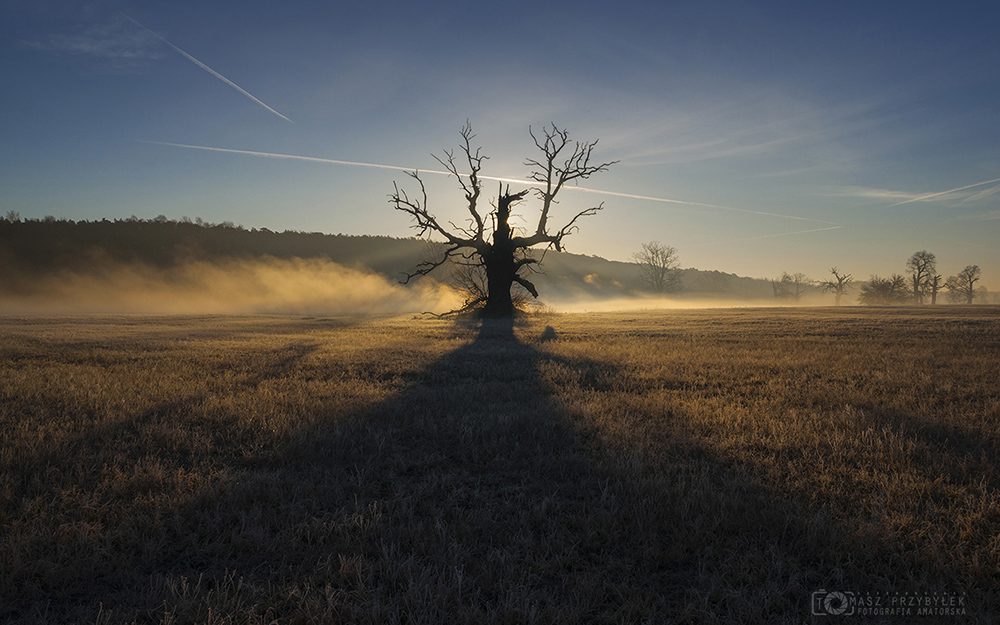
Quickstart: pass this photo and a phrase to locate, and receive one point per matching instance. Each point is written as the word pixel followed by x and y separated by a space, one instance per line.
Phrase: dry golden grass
pixel 686 466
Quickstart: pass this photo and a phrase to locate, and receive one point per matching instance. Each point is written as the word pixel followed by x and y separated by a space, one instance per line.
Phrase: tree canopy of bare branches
pixel 487 239
pixel 922 267
pixel 659 267
pixel 889 291
pixel 838 284
pixel 790 286
pixel 961 288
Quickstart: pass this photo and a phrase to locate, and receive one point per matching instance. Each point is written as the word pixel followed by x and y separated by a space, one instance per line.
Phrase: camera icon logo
pixel 834 603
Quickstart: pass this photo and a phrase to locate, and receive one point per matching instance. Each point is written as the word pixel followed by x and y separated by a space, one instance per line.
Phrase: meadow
pixel 692 466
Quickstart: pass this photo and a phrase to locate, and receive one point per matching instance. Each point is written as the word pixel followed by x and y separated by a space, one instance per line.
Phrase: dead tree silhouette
pixel 489 240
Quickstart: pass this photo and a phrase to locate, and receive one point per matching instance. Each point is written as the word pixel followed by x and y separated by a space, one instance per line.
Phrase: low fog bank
pixel 639 303
pixel 229 286
pixel 313 286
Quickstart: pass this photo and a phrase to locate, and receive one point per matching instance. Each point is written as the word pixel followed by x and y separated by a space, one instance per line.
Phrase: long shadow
pixel 466 497
pixel 473 496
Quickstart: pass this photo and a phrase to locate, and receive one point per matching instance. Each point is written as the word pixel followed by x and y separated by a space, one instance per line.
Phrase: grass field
pixel 653 467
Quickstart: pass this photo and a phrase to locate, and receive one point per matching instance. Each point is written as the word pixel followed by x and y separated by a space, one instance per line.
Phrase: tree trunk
pixel 500 269
pixel 499 280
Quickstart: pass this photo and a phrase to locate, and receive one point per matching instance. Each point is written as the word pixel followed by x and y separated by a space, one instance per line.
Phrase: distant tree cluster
pixel 790 286
pixel 921 285
pixel 889 291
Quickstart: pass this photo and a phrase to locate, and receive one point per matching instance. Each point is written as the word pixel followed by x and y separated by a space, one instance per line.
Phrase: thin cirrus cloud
pixel 829 224
pixel 992 215
pixel 900 198
pixel 116 45
pixel 929 196
pixel 206 68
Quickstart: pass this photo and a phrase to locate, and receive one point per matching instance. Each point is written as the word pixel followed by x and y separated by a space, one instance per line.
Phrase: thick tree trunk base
pixel 502 310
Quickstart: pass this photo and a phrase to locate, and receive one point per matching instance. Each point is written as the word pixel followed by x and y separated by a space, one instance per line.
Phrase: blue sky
pixel 789 136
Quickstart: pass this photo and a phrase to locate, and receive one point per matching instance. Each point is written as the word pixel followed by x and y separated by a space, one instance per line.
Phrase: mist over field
pixel 315 286
pixel 677 302
pixel 227 286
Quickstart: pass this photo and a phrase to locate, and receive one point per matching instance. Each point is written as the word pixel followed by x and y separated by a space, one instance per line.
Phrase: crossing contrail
pixel 930 195
pixel 207 68
pixel 314 159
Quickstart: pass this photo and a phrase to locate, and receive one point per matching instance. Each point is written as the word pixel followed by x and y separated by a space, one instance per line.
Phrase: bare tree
pixel 659 267
pixel 962 286
pixel 488 240
pixel 838 285
pixel 790 286
pixel 922 265
pixel 781 286
pixel 884 291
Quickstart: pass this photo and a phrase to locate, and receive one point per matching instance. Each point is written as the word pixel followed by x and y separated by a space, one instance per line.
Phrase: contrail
pixel 315 159
pixel 930 195
pixel 312 159
pixel 208 69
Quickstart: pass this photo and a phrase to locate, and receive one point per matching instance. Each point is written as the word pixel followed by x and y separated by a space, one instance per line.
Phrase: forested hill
pixel 34 248
pixel 53 245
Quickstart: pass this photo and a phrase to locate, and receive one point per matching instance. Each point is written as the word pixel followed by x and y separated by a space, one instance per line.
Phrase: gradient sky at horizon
pixel 773 121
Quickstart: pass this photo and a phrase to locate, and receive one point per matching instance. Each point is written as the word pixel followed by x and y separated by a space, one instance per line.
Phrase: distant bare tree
pixel 838 285
pixel 659 267
pixel 921 266
pixel 962 286
pixel 790 286
pixel 489 240
pixel 884 291
pixel 781 287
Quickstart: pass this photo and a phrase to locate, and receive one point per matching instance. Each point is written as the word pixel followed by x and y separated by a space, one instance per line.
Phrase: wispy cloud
pixel 114 43
pixel 992 215
pixel 898 198
pixel 649 198
pixel 874 193
pixel 749 125
pixel 207 68
pixel 929 196
pixel 982 195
